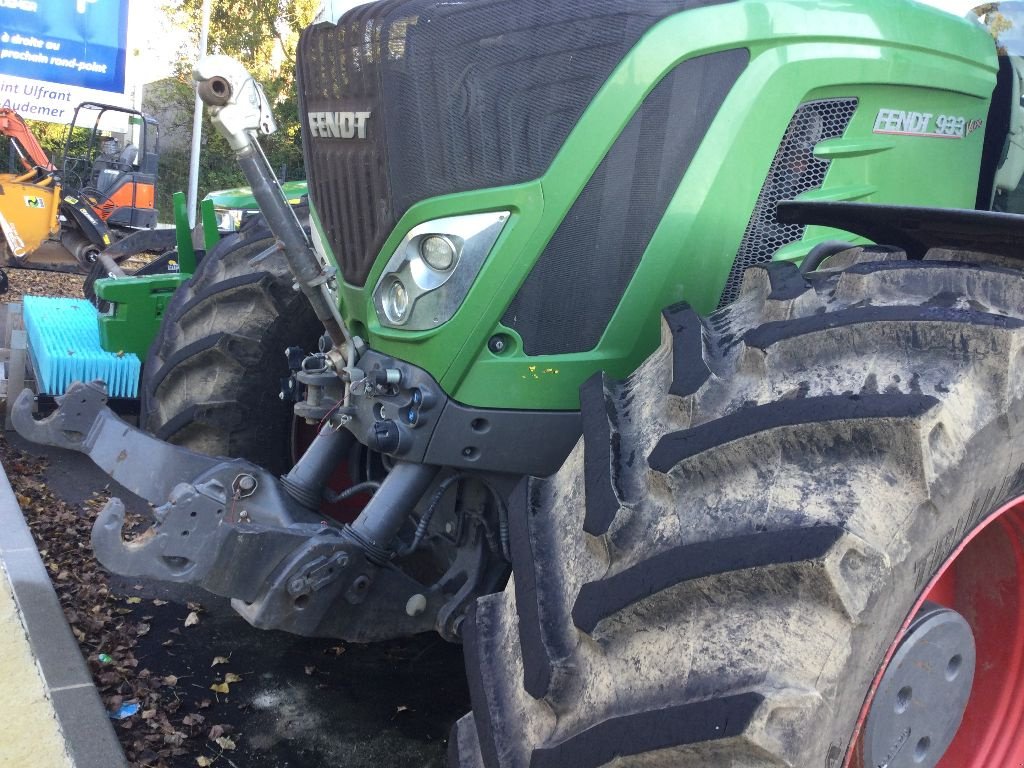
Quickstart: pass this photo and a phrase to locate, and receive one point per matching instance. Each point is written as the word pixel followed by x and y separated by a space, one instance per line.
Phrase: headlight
pixel 430 273
pixel 438 252
pixel 396 302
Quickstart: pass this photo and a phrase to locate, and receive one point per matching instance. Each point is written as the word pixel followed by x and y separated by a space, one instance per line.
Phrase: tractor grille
pixel 462 95
pixel 794 171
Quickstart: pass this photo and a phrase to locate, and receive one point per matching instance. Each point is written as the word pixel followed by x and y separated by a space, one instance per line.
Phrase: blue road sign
pixel 68 42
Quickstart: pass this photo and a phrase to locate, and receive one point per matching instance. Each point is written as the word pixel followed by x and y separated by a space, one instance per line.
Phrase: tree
pixel 263 36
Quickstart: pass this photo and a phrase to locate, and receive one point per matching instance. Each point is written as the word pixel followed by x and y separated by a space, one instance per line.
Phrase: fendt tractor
pixel 746 249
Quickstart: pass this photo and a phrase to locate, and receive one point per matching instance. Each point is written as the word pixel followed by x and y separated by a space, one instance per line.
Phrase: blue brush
pixel 64 341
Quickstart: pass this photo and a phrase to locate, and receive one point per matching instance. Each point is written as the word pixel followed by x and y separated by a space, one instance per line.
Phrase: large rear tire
pixel 213 376
pixel 723 567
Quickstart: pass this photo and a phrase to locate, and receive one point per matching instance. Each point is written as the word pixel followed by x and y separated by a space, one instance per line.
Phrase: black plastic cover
pixel 569 296
pixel 914 229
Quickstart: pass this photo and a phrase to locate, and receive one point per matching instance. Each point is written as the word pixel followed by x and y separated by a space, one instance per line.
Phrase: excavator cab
pixel 113 166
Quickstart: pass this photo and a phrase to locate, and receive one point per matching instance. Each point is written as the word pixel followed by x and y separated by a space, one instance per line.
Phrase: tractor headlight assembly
pixel 430 273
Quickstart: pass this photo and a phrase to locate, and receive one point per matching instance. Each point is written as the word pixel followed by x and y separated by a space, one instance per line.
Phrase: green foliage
pixel 998 24
pixel 263 36
pixel 51 138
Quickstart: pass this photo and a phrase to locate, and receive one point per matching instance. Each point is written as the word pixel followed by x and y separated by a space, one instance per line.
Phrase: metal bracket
pixel 238 106
pixel 144 465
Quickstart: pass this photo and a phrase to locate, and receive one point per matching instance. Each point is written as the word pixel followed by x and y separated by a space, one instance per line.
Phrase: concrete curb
pixel 87 730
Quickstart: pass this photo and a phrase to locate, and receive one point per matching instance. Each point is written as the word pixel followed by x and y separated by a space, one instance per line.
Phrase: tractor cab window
pixel 1002 173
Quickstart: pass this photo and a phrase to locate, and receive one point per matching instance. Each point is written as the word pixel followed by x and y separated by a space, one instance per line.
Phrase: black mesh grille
pixel 463 95
pixel 794 171
pixel 570 294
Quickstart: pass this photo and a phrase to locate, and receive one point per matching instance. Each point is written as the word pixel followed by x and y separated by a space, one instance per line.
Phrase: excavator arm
pixel 31 153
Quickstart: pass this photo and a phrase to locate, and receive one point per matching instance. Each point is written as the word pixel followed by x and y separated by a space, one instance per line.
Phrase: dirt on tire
pixel 213 376
pixel 715 575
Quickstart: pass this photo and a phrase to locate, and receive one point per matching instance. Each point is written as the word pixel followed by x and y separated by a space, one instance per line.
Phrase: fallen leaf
pixel 143 629
pixel 225 742
pixel 192 619
pixel 175 739
pixel 159 602
pixel 219 660
pixel 310 670
pixel 337 650
pixel 133 600
pixel 205 704
pixel 203 761
pixel 220 688
pixel 171 680
pixel 215 732
pixel 231 677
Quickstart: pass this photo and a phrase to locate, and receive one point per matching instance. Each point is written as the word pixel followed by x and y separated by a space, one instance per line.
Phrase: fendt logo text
pixel 339 125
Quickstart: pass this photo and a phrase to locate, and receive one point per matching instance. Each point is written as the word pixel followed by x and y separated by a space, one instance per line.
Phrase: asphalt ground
pixel 290 702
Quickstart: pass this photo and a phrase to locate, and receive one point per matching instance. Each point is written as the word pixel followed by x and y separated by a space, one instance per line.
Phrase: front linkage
pixel 234 529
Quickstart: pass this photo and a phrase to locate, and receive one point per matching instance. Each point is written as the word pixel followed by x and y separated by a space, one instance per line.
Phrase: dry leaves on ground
pixel 33 282
pixel 166 724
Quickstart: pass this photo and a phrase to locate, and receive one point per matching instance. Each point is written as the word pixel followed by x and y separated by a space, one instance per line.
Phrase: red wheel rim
pixel 983 580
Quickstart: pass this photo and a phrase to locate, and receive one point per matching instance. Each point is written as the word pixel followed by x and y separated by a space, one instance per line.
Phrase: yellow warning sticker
pixel 34 202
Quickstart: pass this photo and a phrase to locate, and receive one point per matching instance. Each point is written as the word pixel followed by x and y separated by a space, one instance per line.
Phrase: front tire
pixel 721 569
pixel 213 376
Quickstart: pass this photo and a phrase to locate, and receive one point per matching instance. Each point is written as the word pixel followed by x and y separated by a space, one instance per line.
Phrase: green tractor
pixel 698 476
pixel 233 206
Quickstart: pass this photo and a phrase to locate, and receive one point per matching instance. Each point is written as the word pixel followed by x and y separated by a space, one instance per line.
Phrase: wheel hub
pixel 923 694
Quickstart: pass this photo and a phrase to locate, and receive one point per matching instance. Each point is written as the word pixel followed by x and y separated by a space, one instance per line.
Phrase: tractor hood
pixel 404 101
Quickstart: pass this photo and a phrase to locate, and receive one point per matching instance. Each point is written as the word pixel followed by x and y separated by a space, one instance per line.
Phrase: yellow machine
pixel 28 212
pixel 59 219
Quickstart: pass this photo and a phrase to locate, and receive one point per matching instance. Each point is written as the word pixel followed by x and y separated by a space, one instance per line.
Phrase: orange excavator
pixel 59 217
pixel 24 143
